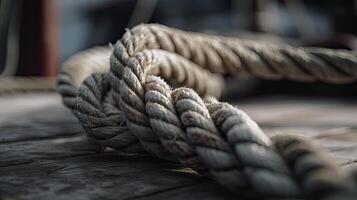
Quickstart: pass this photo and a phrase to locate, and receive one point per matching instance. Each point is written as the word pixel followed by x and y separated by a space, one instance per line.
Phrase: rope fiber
pixel 155 91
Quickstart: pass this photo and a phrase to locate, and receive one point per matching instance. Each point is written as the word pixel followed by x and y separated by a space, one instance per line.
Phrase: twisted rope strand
pixel 131 79
pixel 79 67
pixel 263 167
pixel 319 177
pixel 166 124
pixel 203 135
pixel 234 56
pixel 103 123
pixel 130 108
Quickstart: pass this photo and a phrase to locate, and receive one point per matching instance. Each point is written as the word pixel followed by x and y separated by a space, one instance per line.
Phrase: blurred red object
pixel 39 47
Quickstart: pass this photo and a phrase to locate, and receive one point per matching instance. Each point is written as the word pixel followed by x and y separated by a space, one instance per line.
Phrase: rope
pixel 131 108
pixel 79 67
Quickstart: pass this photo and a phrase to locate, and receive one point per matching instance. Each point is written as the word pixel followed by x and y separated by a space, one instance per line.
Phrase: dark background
pixel 37 35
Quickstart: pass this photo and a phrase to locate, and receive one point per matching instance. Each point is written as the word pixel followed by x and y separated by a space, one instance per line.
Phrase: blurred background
pixel 37 35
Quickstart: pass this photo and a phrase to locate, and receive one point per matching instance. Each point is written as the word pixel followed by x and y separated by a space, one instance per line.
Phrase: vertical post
pixel 39 38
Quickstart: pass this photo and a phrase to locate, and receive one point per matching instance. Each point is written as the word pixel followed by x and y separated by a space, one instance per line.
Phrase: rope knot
pixel 130 107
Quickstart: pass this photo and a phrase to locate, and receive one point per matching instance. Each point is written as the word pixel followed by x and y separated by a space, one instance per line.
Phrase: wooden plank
pixel 18 109
pixel 35 116
pixel 44 153
pixel 103 176
pixel 37 131
pixel 207 191
pixel 16 153
pixel 285 112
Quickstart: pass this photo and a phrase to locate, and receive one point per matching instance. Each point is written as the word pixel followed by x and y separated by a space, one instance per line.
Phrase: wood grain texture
pixel 44 153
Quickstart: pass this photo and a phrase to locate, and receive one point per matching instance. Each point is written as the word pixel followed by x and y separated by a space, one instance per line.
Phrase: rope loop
pixel 155 91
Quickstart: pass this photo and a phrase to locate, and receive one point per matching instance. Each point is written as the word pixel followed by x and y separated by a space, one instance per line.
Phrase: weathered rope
pixel 79 67
pixel 319 177
pixel 131 109
pixel 235 56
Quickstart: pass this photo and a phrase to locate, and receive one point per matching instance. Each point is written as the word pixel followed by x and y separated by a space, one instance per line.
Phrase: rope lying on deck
pixel 130 108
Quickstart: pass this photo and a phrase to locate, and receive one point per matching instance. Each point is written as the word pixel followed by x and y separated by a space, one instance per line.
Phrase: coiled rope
pixel 129 107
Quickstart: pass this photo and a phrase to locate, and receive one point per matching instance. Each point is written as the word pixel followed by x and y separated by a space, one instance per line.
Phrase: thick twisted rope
pixel 79 67
pixel 131 109
pixel 235 56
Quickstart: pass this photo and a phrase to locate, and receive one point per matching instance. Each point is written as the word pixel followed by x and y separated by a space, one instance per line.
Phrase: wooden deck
pixel 44 153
